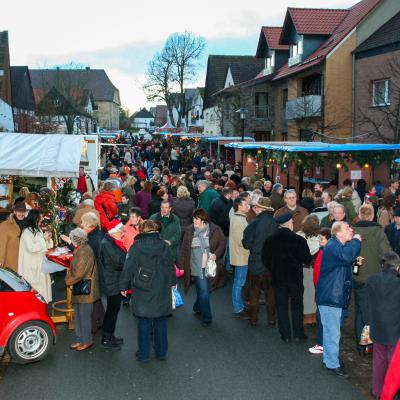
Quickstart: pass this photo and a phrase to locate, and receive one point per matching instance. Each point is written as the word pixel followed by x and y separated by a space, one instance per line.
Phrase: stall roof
pixel 231 138
pixel 53 155
pixel 314 147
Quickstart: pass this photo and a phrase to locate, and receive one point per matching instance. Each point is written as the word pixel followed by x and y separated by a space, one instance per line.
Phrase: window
pixel 271 60
pixel 261 105
pixel 284 97
pixel 297 48
pixel 284 136
pixel 380 92
pixel 306 135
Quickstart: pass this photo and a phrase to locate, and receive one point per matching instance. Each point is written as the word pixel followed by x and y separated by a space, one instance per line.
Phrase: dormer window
pixel 296 52
pixel 270 61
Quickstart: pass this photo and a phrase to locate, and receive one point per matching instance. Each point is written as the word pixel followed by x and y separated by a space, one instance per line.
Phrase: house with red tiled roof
pixel 319 71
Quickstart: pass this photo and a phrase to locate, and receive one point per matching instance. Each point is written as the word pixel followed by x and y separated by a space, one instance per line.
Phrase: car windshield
pixel 15 281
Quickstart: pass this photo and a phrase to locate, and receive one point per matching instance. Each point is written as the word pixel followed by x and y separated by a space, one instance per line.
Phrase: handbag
pixel 211 268
pixel 177 299
pixel 84 286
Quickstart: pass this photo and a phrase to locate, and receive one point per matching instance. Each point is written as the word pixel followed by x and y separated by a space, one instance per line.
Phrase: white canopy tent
pixel 49 155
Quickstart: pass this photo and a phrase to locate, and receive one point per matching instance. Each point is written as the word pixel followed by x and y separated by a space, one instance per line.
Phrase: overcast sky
pixel 121 36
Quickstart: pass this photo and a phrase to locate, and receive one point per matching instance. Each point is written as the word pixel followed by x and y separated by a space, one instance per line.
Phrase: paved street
pixel 228 360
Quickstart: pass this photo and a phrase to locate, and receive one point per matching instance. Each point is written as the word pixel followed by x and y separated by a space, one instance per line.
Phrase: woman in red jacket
pixel 106 205
pixel 324 236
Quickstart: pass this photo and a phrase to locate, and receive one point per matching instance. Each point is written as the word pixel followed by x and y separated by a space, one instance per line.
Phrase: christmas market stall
pixel 57 158
pixel 298 164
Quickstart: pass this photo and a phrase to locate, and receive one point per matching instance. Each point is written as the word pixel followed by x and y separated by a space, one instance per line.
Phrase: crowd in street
pixel 162 207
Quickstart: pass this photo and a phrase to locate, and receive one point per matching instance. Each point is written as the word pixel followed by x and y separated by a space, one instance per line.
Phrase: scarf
pixel 201 239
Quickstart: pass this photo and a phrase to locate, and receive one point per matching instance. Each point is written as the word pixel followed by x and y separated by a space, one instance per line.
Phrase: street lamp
pixel 242 114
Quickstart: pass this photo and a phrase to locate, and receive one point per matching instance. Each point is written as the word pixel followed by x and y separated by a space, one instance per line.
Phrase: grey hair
pixel 331 205
pixel 78 236
pixel 202 182
pixel 338 205
pixel 288 192
pixel 277 187
pixel 258 191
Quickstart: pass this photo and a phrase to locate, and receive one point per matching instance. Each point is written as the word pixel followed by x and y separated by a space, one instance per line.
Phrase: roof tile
pixel 272 35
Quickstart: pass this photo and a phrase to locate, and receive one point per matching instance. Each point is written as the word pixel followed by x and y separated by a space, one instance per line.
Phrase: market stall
pixel 50 156
pixel 297 163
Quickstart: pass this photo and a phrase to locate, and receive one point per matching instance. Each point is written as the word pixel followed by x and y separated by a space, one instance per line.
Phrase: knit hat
pixel 115 226
pixel 265 203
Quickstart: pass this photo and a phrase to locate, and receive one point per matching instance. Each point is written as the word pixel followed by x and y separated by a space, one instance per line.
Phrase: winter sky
pixel 121 36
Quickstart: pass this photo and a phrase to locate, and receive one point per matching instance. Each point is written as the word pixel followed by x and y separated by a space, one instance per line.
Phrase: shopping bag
pixel 365 336
pixel 177 299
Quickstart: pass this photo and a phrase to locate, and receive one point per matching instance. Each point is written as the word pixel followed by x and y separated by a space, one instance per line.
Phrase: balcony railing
pixel 304 107
pixel 261 112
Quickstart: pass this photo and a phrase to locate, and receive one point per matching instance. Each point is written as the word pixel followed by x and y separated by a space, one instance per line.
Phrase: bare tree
pixel 159 81
pixel 171 68
pixel 382 121
pixel 184 49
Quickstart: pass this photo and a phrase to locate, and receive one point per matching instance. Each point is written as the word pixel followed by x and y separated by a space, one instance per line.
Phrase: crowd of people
pixel 161 207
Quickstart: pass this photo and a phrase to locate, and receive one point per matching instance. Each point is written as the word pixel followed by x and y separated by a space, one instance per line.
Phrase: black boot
pixel 108 342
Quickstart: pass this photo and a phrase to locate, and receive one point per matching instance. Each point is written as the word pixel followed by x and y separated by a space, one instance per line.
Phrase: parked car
pixel 26 330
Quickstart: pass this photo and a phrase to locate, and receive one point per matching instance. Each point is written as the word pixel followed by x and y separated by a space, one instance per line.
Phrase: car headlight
pixel 40 298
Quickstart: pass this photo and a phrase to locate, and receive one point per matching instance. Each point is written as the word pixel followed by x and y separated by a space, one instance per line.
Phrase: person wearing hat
pixel 112 259
pixel 254 237
pixel 392 232
pixel 284 253
pixel 298 212
pixel 10 232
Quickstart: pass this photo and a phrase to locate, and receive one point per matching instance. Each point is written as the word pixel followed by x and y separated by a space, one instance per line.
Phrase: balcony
pixel 268 70
pixel 304 107
pixel 295 60
pixel 261 112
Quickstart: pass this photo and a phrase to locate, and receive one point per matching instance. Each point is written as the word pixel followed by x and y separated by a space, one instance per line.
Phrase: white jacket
pixel 32 249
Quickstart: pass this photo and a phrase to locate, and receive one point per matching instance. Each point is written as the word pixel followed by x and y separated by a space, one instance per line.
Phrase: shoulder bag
pixel 84 286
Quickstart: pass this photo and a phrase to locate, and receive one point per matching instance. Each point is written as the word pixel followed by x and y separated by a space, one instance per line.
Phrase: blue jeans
pixel 238 282
pixel 202 303
pixel 155 328
pixel 331 320
pixel 227 258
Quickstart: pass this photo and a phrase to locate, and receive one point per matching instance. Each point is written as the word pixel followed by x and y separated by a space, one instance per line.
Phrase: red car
pixel 26 330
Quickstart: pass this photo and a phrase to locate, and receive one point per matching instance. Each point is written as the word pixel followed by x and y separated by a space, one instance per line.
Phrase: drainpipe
pixel 353 104
pixel 322 106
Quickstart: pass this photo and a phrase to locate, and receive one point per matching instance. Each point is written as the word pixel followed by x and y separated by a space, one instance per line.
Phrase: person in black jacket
pixel 284 253
pixel 149 270
pixel 383 294
pixel 254 237
pixel 112 259
pixel 219 215
pixel 393 232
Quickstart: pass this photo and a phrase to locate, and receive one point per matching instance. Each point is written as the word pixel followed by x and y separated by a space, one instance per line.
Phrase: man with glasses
pixel 291 207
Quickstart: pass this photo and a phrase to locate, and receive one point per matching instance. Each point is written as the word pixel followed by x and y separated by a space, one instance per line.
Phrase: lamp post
pixel 242 114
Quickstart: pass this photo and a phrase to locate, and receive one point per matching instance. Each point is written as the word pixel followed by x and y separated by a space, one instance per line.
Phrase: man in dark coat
pixel 219 210
pixel 374 245
pixel 170 226
pixel 219 214
pixel 112 259
pixel 254 237
pixel 383 294
pixel 151 303
pixel 284 253
pixel 393 232
pixel 334 289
